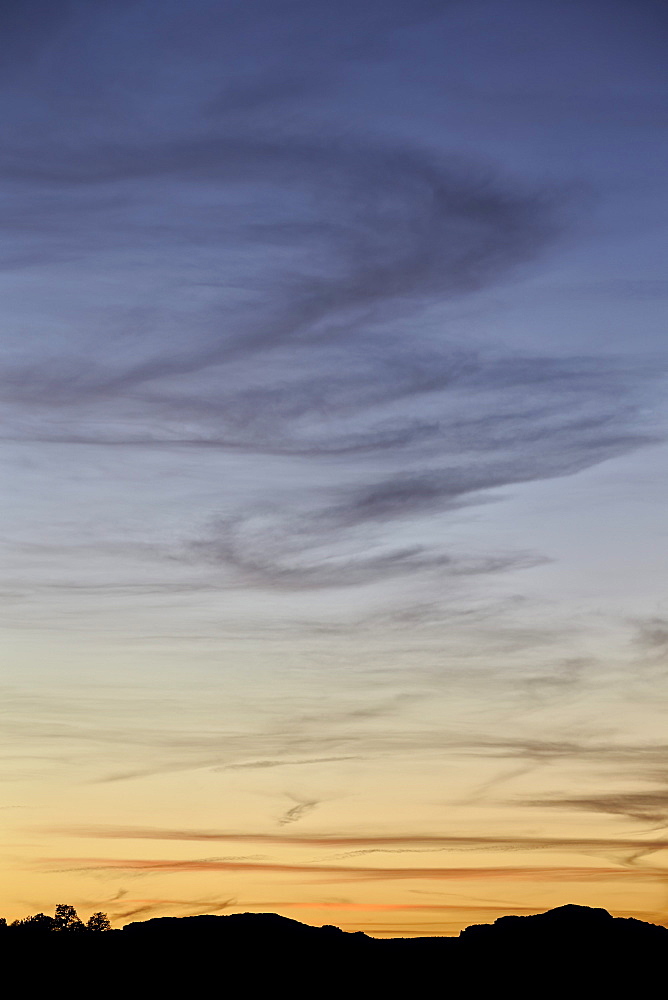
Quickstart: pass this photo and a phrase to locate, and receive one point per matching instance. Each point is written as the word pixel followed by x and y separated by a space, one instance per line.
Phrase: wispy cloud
pixel 362 844
pixel 302 808
pixel 262 765
pixel 372 907
pixel 646 806
pixel 146 908
pixel 309 732
pixel 359 873
pixel 310 277
pixel 651 635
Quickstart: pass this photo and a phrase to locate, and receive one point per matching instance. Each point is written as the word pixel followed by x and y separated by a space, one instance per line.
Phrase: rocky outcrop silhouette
pixel 574 925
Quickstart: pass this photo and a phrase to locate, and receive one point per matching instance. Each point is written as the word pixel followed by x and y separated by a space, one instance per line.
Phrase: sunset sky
pixel 334 458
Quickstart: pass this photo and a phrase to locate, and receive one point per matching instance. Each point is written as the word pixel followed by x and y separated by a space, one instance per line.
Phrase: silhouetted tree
pixel 98 922
pixel 40 922
pixel 67 919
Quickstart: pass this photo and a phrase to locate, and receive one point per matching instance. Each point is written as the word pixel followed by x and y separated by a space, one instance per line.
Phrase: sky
pixel 334 455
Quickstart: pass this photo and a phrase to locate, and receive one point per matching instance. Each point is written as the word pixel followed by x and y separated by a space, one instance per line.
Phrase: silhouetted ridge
pixel 579 926
pixel 268 926
pixel 578 950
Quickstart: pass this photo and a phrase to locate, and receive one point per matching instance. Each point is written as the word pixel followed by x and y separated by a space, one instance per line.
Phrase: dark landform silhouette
pixel 578 950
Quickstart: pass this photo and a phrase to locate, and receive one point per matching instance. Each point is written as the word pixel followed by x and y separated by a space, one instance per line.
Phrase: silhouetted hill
pixel 576 949
pixel 566 925
pixel 268 927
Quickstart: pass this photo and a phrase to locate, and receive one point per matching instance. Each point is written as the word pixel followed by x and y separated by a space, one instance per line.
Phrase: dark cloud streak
pixel 635 847
pixel 646 807
pixel 336 873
